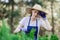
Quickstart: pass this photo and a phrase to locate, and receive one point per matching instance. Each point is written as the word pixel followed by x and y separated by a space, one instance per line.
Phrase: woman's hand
pixel 18 28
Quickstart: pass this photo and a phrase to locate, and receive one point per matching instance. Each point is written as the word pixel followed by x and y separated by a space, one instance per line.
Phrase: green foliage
pixel 54 37
pixel 6 35
pixel 4 31
pixel 29 36
pixel 32 2
pixel 43 37
pixel 15 13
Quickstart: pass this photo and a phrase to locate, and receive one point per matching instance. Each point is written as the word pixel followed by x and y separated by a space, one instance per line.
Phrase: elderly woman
pixel 36 20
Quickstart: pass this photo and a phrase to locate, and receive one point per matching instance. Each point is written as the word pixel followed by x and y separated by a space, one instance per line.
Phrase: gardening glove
pixel 42 14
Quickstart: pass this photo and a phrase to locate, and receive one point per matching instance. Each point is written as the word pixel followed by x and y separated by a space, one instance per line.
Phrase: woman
pixel 36 20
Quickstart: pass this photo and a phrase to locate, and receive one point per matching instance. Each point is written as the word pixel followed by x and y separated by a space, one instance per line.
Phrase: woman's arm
pixel 46 24
pixel 18 28
pixel 21 24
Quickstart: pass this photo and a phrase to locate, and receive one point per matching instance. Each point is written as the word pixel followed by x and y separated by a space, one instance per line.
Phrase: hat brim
pixel 30 9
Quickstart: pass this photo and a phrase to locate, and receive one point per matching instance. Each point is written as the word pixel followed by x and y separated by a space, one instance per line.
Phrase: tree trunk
pixel 11 21
pixel 52 1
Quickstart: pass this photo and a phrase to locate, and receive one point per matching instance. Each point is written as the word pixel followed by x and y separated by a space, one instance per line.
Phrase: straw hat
pixel 36 7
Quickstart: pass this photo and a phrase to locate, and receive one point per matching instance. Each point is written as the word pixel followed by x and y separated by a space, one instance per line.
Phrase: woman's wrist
pixel 45 18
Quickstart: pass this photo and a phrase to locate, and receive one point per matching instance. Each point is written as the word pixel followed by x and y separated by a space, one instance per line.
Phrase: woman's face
pixel 34 13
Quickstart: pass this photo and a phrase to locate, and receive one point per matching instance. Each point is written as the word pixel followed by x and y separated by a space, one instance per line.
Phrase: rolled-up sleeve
pixel 23 21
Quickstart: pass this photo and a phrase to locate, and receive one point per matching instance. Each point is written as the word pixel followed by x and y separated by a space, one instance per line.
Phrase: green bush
pixel 43 37
pixel 6 35
pixel 54 37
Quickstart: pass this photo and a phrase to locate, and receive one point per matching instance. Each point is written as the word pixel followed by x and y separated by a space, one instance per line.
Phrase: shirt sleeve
pixel 23 21
pixel 46 24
